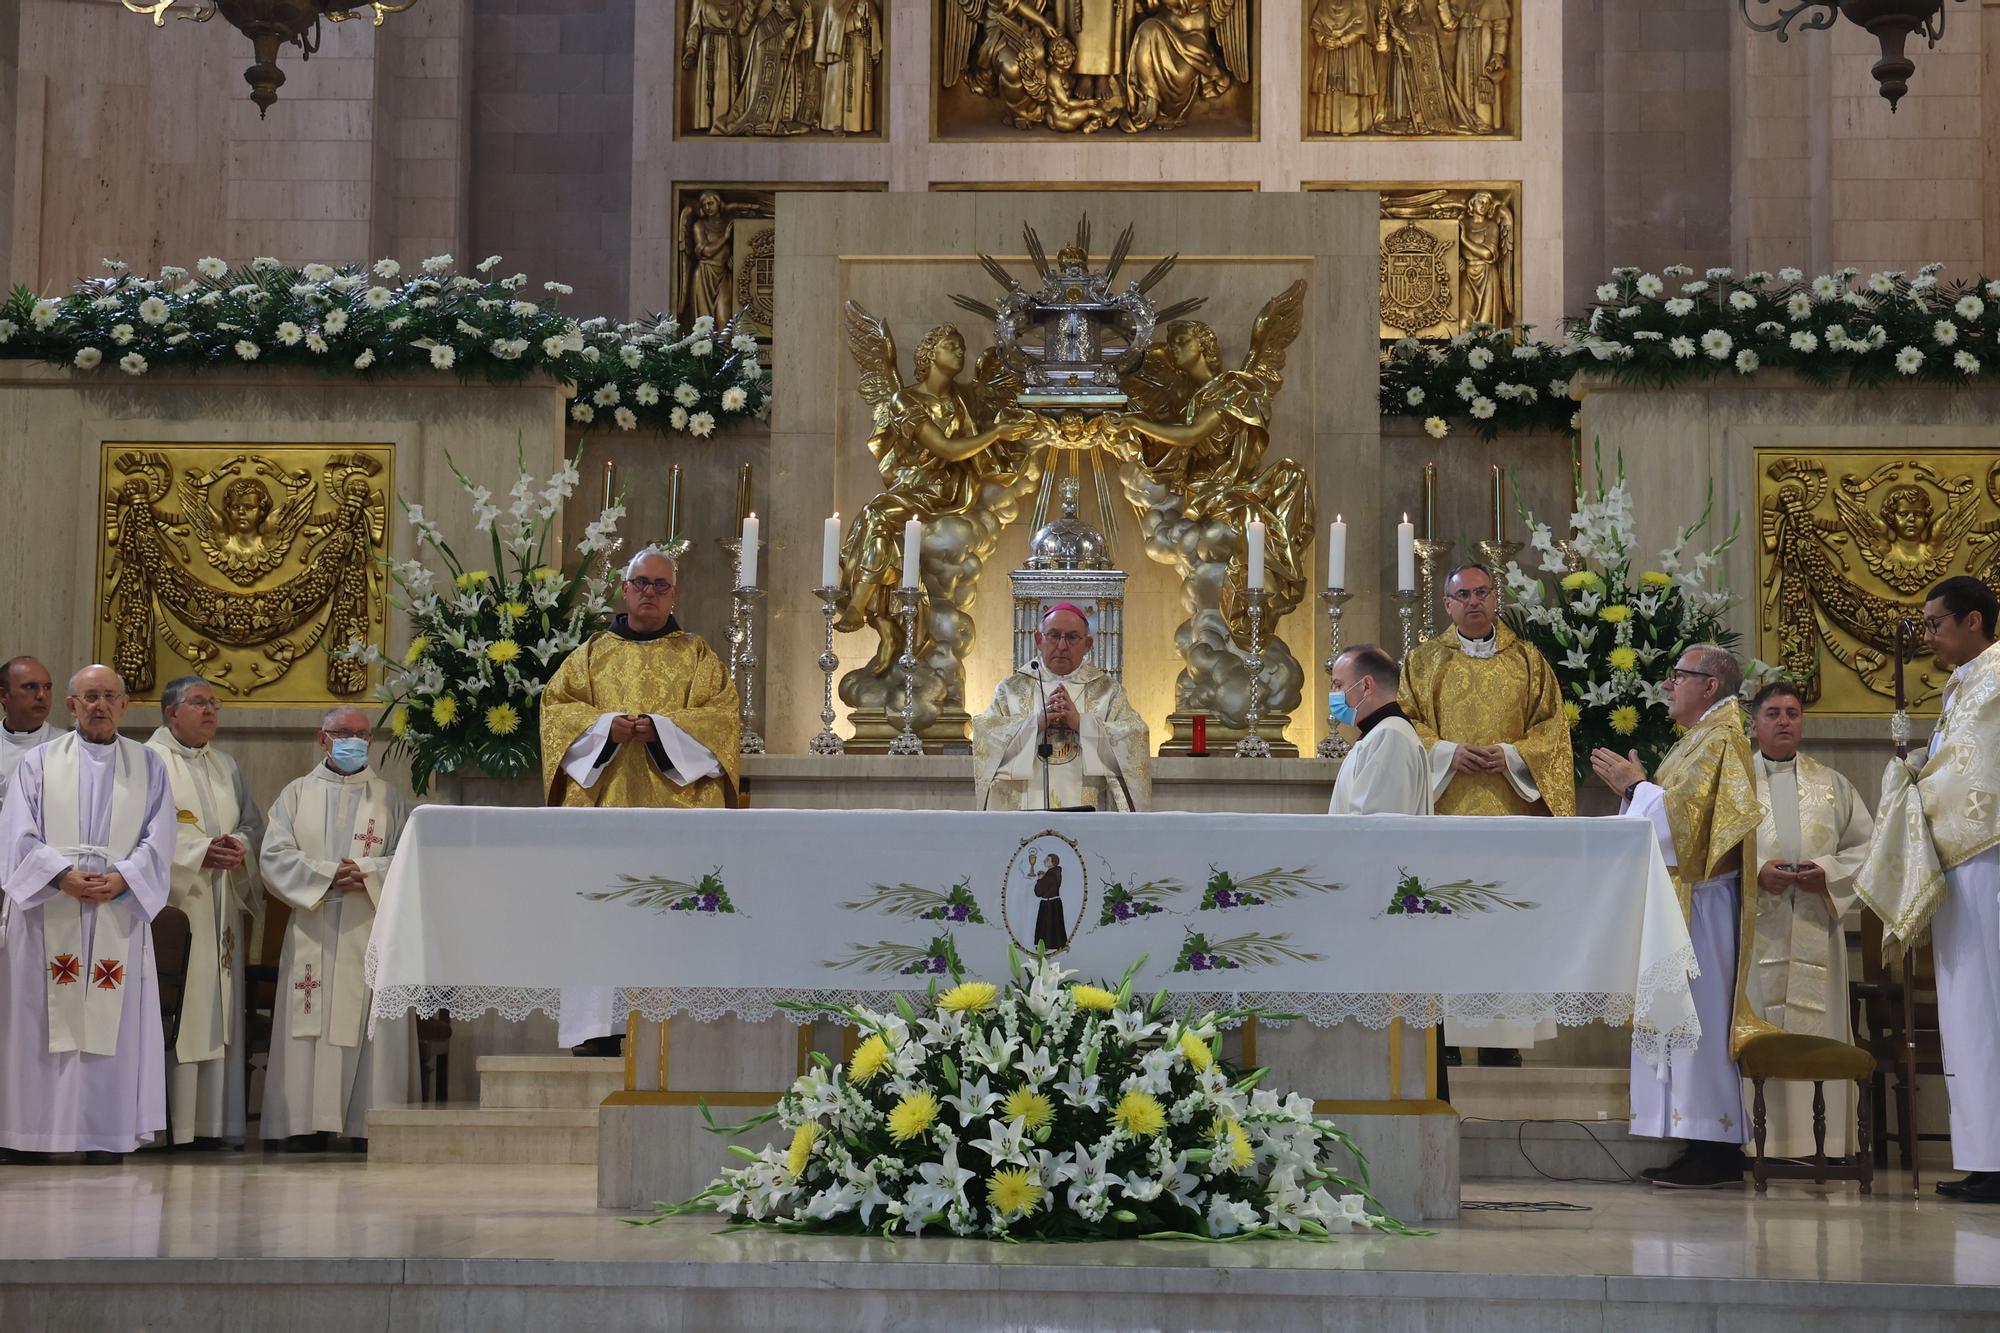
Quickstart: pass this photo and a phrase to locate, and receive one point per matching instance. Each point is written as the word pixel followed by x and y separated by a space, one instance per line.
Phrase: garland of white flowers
pixel 364 322
pixel 1831 328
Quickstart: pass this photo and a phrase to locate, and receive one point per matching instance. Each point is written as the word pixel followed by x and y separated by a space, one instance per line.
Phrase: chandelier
pixel 1889 22
pixel 269 24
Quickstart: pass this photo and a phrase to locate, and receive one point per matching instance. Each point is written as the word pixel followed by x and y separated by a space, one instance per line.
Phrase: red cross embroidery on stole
pixel 109 974
pixel 65 969
pixel 307 985
pixel 369 842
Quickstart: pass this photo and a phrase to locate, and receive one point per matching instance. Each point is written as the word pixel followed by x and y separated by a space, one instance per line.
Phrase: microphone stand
pixel 1043 747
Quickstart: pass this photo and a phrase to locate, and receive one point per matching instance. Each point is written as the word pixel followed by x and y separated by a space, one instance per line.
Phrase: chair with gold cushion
pixel 1796 1057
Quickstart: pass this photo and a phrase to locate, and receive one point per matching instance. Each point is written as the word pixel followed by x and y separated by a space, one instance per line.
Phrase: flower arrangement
pixel 1044 1110
pixel 1613 633
pixel 468 689
pixel 1886 328
pixel 377 320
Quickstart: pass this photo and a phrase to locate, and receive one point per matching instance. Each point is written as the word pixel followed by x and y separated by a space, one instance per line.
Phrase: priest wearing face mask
pixel 327 847
pixel 1386 772
pixel 1060 732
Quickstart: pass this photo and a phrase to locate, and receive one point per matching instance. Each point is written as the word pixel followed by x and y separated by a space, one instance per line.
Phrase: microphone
pixel 1044 747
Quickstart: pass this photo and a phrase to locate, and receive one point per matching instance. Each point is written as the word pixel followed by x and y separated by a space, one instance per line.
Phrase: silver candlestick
pixel 1430 569
pixel 734 546
pixel 907 741
pixel 828 741
pixel 1333 745
pixel 1406 609
pixel 745 600
pixel 1253 745
pixel 1496 555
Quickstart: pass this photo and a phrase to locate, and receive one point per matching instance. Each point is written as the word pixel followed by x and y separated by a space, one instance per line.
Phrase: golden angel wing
pixel 873 348
pixel 999 383
pixel 1278 324
pixel 192 491
pixel 1157 390
pixel 1231 22
pixel 961 27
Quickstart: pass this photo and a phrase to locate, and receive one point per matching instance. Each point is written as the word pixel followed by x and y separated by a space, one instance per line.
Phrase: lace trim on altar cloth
pixel 1320 1008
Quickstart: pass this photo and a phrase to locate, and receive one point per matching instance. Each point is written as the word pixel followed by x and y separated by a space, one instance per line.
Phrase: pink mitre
pixel 1070 607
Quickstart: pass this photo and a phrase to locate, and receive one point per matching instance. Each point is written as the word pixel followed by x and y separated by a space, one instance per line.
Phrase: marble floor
pixel 167 1241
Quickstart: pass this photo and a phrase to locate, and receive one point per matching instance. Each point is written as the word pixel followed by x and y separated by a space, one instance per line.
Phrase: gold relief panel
pixel 725 249
pixel 250 565
pixel 782 69
pixel 1034 69
pixel 1450 255
pixel 1411 69
pixel 1850 540
pixel 1162 187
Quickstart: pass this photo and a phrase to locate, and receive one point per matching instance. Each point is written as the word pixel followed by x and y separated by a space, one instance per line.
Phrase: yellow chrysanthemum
pixel 444 710
pixel 1653 578
pixel 472 578
pixel 542 574
pixel 1572 713
pixel 970 997
pixel 399 720
pixel 871 1057
pixel 1094 998
pixel 1028 1106
pixel 1623 659
pixel 1615 615
pixel 803 1139
pixel 1625 720
pixel 1233 1144
pixel 418 647
pixel 502 720
pixel 515 609
pixel 502 650
pixel 912 1116
pixel 1582 579
pixel 1140 1115
pixel 1015 1192
pixel 1197 1052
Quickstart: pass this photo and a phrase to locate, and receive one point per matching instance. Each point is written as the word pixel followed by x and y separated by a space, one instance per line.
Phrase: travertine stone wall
pixel 423 133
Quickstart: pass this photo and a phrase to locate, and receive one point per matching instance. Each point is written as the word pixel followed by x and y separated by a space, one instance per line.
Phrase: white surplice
pixel 1385 773
pixel 55 1095
pixel 205 1070
pixel 13 745
pixel 326 1068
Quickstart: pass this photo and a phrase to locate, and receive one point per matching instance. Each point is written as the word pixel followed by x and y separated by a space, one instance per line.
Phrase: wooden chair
pixel 1896 1009
pixel 1796 1057
pixel 260 990
pixel 173 940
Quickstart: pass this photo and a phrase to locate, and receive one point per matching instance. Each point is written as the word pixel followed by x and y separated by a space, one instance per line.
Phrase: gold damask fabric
pixel 1796 935
pixel 1938 813
pixel 679 677
pixel 1511 698
pixel 1710 782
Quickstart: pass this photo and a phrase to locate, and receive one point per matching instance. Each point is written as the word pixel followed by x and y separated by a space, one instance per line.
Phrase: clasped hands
pixel 1775 877
pixel 91 886
pixel 627 727
pixel 1479 759
pixel 349 878
pixel 1061 711
pixel 224 853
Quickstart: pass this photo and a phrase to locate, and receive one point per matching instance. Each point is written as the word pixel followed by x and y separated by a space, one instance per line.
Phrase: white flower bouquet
pixel 1045 1110
pixel 377 320
pixel 483 646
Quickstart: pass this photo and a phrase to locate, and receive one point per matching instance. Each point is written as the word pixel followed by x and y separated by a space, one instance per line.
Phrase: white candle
pixel 1256 553
pixel 1336 553
pixel 913 546
pixel 746 554
pixel 1406 556
pixel 829 554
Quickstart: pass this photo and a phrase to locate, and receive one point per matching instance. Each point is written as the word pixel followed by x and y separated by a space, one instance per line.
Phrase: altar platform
pixel 276 1242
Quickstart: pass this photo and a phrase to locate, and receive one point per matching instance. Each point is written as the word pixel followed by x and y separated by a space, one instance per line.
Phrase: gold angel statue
pixel 244 539
pixel 952 455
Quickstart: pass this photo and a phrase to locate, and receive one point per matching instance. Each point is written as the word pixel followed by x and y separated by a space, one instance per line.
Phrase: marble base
pixel 932 781
pixel 1221 738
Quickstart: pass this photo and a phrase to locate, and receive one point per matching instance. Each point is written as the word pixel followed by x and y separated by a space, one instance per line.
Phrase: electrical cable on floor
pixel 1521 1206
pixel 1623 1177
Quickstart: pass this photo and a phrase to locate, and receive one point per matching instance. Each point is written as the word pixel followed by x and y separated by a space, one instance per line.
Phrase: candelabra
pixel 1430 562
pixel 1254 746
pixel 907 741
pixel 1496 555
pixel 1332 745
pixel 1406 608
pixel 737 630
pixel 744 614
pixel 828 741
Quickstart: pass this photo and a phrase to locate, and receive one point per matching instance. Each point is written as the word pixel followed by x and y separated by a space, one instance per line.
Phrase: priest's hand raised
pixel 1617 771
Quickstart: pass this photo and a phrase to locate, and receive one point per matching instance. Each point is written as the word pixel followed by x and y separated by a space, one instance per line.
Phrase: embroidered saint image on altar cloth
pixel 1044 893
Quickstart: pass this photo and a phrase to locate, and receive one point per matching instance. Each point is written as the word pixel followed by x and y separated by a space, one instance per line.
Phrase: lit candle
pixel 829 554
pixel 610 484
pixel 1336 553
pixel 743 500
pixel 746 554
pixel 1257 553
pixel 1499 506
pixel 913 546
pixel 674 502
pixel 1430 501
pixel 1406 556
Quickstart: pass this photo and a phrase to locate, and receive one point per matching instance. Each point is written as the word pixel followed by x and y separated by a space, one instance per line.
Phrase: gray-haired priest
pixel 1060 731
pixel 217 828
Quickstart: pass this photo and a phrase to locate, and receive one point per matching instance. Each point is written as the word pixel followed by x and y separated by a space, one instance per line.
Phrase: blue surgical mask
pixel 349 754
pixel 1340 708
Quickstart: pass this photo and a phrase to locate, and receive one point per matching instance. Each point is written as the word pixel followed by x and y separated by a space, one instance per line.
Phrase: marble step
pixel 1542 1092
pixel 1563 1150
pixel 547 1082
pixel 514 1136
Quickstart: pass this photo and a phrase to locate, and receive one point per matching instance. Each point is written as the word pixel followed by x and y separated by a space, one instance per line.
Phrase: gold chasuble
pixel 1508 697
pixel 1938 813
pixel 671 675
pixel 1710 782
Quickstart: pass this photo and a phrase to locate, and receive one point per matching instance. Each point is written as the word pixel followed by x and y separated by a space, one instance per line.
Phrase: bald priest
pixel 1060 732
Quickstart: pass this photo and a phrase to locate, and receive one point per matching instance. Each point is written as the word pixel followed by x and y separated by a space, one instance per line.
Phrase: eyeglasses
pixel 1679 674
pixel 346 735
pixel 101 697
pixel 1467 596
pixel 1932 624
pixel 654 586
pixel 1063 636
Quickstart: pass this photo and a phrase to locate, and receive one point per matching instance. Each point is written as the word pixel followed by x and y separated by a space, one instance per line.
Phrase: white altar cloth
pixel 713 912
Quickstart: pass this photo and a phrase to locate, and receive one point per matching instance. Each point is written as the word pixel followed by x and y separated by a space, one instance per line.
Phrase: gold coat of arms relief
pixel 1850 541
pixel 1450 257
pixel 250 566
